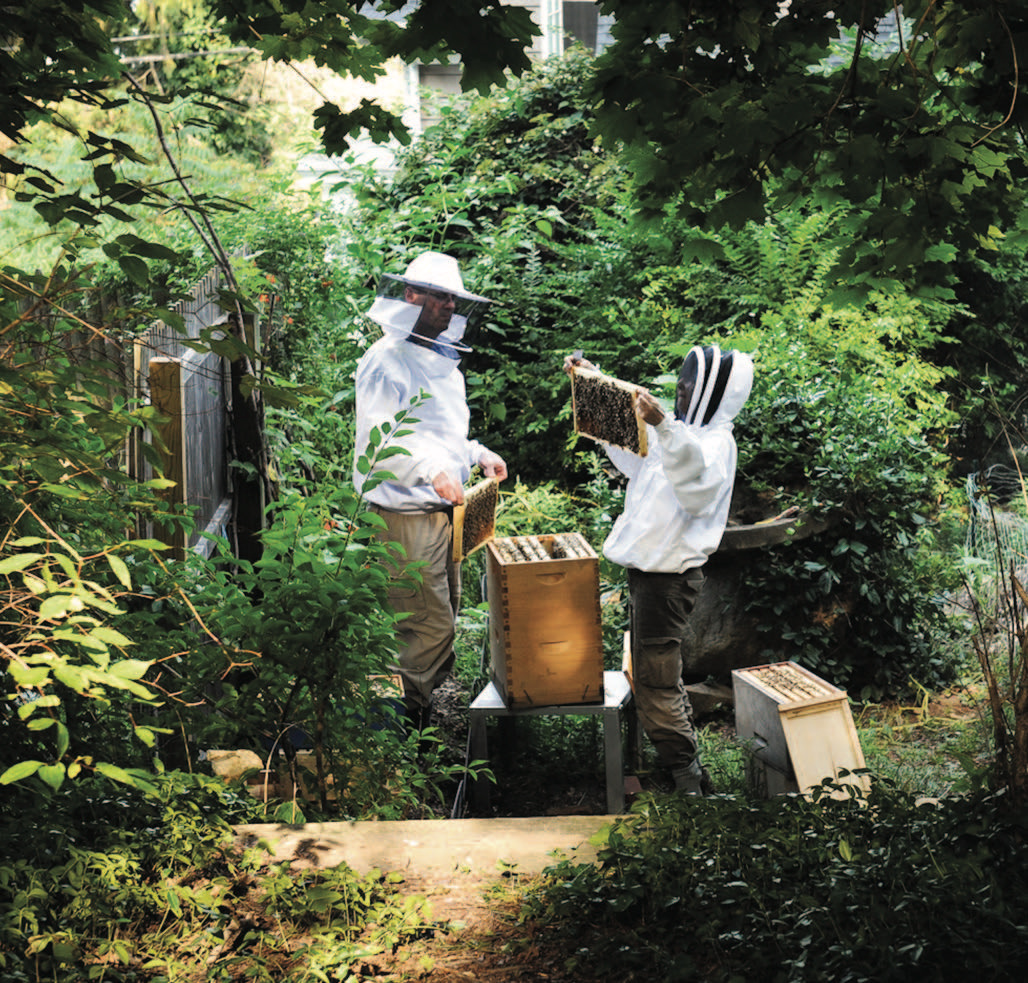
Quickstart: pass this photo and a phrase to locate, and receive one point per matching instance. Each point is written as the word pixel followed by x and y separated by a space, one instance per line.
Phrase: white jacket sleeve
pixel 693 464
pixel 625 461
pixel 475 452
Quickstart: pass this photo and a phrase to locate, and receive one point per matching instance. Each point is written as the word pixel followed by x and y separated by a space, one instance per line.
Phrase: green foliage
pixel 846 419
pixel 739 111
pixel 280 654
pixel 514 186
pixel 840 422
pixel 69 672
pixel 795 888
pixel 116 881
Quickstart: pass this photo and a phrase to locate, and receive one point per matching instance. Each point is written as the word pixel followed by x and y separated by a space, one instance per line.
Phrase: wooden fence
pixel 190 388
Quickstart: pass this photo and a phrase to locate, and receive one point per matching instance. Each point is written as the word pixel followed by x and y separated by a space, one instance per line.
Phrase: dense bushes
pixel 849 409
pixel 797 889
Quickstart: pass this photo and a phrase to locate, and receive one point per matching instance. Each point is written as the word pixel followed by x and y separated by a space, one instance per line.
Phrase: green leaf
pixel 114 772
pixel 110 636
pixel 63 739
pixel 23 769
pixel 71 676
pixel 146 736
pixel 135 269
pixel 53 775
pixel 28 677
pixel 19 562
pixel 120 570
pixel 130 668
pixel 59 606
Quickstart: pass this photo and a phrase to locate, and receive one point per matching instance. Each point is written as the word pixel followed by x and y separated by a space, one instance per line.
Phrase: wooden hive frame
pixel 605 410
pixel 474 522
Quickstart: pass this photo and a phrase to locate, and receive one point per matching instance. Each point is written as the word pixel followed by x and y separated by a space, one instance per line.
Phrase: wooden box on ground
pixel 545 634
pixel 798 728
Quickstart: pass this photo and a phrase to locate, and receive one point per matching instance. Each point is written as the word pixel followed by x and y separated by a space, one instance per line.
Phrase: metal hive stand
pixel 617 703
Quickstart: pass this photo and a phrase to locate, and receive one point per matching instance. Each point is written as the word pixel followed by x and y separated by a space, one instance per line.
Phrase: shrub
pixel 795 888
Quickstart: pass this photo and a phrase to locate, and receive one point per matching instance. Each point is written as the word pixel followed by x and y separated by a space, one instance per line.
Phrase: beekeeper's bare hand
pixel 571 362
pixel 448 488
pixel 648 408
pixel 493 466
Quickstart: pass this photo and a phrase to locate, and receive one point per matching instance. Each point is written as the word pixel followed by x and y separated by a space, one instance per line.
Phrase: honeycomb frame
pixel 474 522
pixel 604 410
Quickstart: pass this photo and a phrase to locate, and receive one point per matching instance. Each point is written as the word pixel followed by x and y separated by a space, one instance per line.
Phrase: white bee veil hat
pixel 430 272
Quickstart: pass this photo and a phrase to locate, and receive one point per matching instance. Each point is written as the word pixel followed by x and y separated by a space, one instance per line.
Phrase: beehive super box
pixel 545 633
pixel 799 728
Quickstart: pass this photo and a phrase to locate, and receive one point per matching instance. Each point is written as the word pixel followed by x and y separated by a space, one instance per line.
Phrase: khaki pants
pixel 660 603
pixel 426 635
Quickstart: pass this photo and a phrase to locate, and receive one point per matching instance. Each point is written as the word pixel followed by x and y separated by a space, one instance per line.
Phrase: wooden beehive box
pixel 545 636
pixel 604 409
pixel 798 727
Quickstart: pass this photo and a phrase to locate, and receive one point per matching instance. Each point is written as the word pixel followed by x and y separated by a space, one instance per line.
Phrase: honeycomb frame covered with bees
pixel 545 625
pixel 604 409
pixel 474 522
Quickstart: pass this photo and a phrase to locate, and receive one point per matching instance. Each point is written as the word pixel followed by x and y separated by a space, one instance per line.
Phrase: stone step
pixel 481 849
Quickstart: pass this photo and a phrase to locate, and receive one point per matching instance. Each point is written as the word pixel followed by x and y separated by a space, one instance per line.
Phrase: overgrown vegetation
pixel 151 886
pixel 120 663
pixel 795 888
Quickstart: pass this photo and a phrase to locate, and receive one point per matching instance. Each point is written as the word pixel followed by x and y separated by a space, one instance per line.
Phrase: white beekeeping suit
pixel 411 359
pixel 424 315
pixel 676 505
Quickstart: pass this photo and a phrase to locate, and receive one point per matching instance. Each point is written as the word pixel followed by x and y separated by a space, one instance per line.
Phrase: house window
pixel 436 81
pixel 580 20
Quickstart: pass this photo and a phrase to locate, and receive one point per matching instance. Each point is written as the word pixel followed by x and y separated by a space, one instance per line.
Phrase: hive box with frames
pixel 798 728
pixel 604 409
pixel 545 632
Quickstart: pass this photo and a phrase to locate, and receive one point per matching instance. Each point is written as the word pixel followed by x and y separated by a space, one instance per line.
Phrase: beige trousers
pixel 425 636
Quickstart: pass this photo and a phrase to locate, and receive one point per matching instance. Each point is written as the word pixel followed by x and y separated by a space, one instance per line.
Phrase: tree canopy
pixel 907 117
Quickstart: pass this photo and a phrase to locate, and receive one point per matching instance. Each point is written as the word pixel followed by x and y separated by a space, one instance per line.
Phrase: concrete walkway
pixel 432 847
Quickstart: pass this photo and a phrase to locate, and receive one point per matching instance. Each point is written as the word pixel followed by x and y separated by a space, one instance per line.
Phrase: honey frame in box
pixel 545 628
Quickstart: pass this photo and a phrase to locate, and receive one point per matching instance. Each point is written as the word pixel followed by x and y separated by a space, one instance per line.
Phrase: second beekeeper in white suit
pixel 415 366
pixel 676 511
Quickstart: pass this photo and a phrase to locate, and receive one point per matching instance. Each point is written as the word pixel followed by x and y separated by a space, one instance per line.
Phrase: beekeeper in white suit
pixel 424 315
pixel 676 511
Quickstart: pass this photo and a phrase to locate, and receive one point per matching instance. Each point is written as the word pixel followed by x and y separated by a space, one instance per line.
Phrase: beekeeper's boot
pixel 688 779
